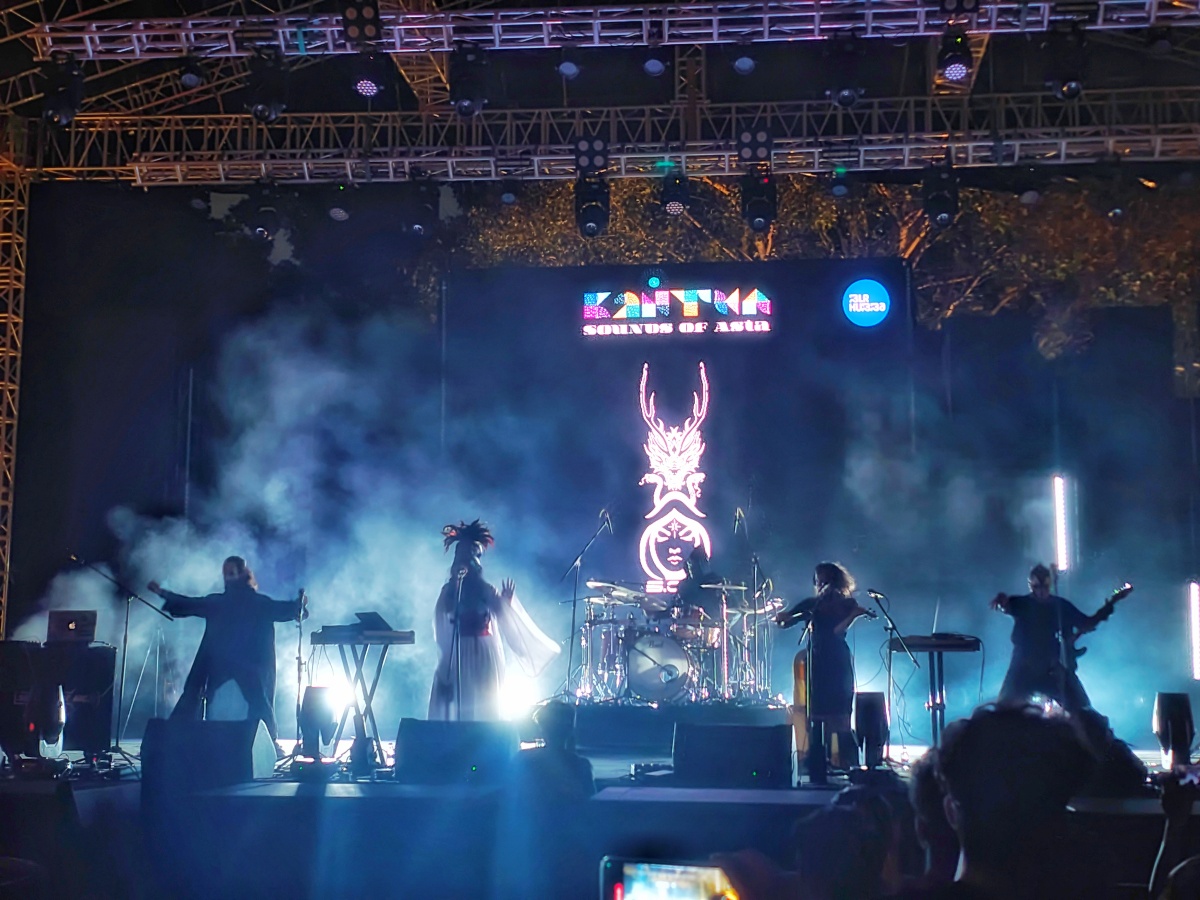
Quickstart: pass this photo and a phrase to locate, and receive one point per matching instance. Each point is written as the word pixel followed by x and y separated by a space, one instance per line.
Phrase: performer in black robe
pixel 238 643
pixel 828 663
pixel 1041 664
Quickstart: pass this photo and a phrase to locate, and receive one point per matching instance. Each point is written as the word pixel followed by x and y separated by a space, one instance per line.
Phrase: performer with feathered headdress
pixel 472 623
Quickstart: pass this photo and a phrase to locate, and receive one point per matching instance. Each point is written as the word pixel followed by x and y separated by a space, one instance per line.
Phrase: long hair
pixel 835 579
pixel 241 572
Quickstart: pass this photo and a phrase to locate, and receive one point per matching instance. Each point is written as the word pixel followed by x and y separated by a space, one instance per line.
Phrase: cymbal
pixel 617 592
pixel 724 587
pixel 602 601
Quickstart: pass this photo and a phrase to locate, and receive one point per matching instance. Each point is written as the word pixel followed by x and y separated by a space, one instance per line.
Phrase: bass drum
pixel 659 668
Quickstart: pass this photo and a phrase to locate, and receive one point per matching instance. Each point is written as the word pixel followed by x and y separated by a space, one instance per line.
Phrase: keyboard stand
pixel 361 692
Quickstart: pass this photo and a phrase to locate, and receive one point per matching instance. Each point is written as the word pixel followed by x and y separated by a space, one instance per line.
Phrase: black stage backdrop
pixel 332 434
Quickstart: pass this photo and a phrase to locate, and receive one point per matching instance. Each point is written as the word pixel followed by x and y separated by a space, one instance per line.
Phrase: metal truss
pixel 14 206
pixel 408 32
pixel 809 137
pixel 19 21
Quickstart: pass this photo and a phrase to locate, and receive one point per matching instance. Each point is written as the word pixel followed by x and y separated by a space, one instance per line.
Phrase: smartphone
pixel 635 879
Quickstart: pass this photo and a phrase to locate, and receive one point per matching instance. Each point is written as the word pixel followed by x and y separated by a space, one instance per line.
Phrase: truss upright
pixel 14 206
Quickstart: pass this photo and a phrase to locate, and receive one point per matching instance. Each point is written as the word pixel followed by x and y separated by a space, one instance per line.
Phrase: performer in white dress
pixel 487 621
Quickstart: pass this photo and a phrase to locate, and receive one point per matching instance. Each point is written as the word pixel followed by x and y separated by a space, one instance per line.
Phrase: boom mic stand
pixel 456 644
pixel 130 596
pixel 576 565
pixel 892 631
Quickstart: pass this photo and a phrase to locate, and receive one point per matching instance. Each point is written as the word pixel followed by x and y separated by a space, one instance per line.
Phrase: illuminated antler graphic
pixel 674 453
pixel 674 456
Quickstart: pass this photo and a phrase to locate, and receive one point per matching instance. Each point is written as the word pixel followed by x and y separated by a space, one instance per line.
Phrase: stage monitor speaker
pixel 184 755
pixel 455 752
pixel 871 727
pixel 732 756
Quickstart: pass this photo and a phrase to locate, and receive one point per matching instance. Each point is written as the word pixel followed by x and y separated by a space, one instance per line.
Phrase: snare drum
pixel 693 626
pixel 659 668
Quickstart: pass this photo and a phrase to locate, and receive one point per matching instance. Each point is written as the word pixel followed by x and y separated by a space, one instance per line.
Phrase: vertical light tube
pixel 1062 558
pixel 1194 616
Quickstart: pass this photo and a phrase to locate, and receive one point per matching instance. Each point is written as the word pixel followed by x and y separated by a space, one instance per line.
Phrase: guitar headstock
pixel 1120 593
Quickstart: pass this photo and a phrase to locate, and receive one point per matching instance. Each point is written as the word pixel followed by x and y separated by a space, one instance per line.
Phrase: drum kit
pixel 651 648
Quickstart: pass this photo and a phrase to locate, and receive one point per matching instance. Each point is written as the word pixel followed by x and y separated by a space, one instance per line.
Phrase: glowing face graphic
pixel 673 454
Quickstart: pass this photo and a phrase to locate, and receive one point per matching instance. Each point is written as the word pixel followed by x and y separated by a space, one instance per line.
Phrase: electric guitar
pixel 1071 652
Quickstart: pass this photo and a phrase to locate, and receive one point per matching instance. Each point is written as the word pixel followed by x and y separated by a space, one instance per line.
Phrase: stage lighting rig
pixel 939 196
pixel 759 198
pixel 64 88
pixel 743 61
pixel 427 199
pixel 754 146
pixel 267 85
pixel 657 62
pixel 591 204
pixel 844 56
pixel 370 75
pixel 591 155
pixel 673 193
pixel 191 74
pixel 954 57
pixel 568 66
pixel 1066 62
pixel 839 184
pixel 468 80
pixel 360 22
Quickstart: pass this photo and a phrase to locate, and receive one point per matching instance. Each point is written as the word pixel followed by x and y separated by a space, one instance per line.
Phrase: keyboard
pixel 333 635
pixel 937 643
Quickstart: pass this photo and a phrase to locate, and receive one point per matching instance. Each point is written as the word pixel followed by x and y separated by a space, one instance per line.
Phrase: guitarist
pixel 1044 630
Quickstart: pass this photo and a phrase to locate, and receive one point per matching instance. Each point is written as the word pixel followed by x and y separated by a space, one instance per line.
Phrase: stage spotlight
pixel 568 67
pixel 267 85
pixel 425 208
pixel 318 720
pixel 845 97
pixel 839 185
pixel 674 193
pixel 744 63
pixel 64 88
pixel 509 191
pixel 754 146
pixel 591 155
pixel 339 203
pixel 759 198
pixel 591 205
pixel 360 22
pixel 657 62
pixel 191 74
pixel 1174 728
pixel 1066 62
pixel 954 57
pixel 468 80
pixel 369 75
pixel 939 196
pixel 844 58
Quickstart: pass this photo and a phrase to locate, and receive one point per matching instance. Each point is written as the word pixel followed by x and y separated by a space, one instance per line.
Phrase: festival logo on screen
pixel 688 311
pixel 866 302
pixel 673 454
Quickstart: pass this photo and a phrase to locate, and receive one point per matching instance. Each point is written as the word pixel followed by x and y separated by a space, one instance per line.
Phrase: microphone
pixel 461 573
pixel 738 515
pixel 607 520
pixel 302 600
pixel 876 595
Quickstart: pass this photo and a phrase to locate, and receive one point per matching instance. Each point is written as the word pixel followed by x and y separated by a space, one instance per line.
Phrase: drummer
pixel 691 594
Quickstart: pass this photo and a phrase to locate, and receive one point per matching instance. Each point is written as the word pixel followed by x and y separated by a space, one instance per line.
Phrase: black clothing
pixel 238 645
pixel 830 666
pixel 1036 666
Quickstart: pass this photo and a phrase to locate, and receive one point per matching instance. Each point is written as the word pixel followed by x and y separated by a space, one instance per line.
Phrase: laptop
pixel 71 626
pixel 373 621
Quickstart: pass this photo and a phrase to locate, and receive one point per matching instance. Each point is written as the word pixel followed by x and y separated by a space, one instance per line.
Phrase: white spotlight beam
pixel 1194 617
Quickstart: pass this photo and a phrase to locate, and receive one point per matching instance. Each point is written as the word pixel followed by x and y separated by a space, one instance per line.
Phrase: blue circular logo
pixel 866 303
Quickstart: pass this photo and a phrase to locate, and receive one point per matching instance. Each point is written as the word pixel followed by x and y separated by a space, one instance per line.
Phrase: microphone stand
pixel 890 628
pixel 130 596
pixel 456 645
pixel 303 601
pixel 576 566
